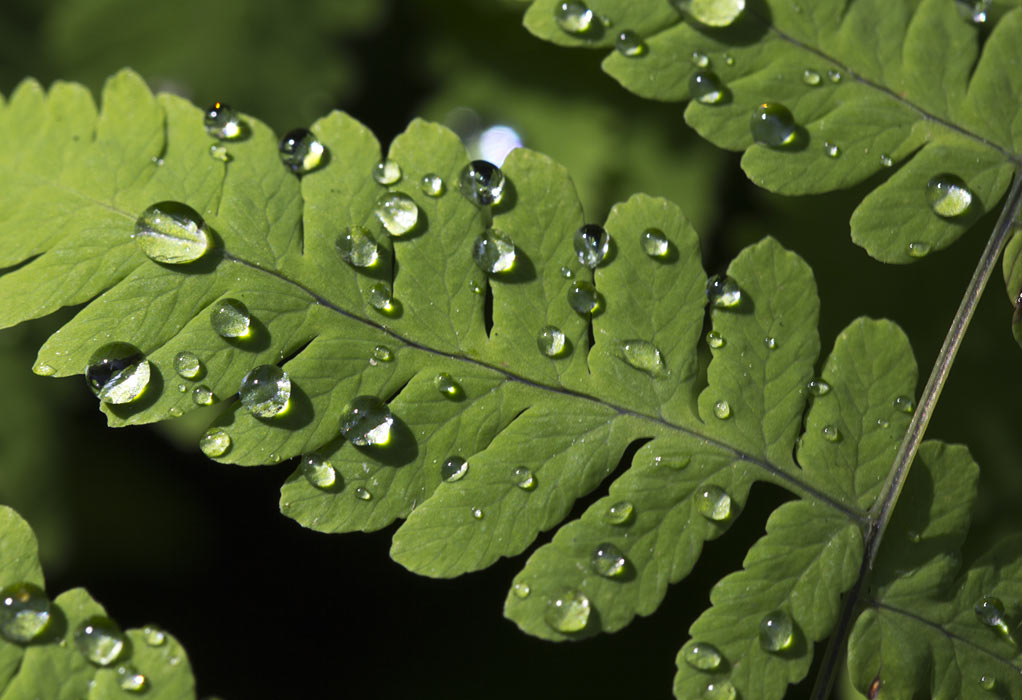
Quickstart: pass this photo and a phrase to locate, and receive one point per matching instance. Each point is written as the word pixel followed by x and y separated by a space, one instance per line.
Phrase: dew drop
pixel 834 76
pixel 721 689
pixel 129 679
pixel 172 233
pixel 215 442
pixel 712 13
pixel 776 631
pixel 363 494
pixel 397 212
pixel 831 433
pixel 117 373
pixel 265 391
pixel 886 160
pixel 551 341
pixel 715 340
pixel 818 387
pixel 477 513
pixel 608 561
pixel 230 319
pixel 987 682
pixel 175 412
pixel 713 503
pixel 187 365
pixel 318 471
pixel 973 11
pixel 582 297
pixel 521 590
pixel 154 636
pixel 453 469
pixel 383 353
pixel 643 355
pixel 990 611
pixel 904 404
pixel 574 17
pixel 493 252
pixel 523 478
pixel 722 409
pixel 811 77
pixel 379 297
pixel 202 395
pixel 387 172
pixel 45 370
pixel 619 513
pixel 447 386
pixel 366 421
pixel 24 612
pixel 831 149
pixel 706 87
pixel 222 122
pixel 432 185
pixel 700 60
pixel 918 249
pixel 99 640
pixel 948 195
pixel 357 247
pixel 591 243
pixel 482 183
pixel 566 273
pixel 723 292
pixel 301 152
pixel 702 656
pixel 729 60
pixel 182 388
pixel 773 125
pixel 883 423
pixel 630 44
pixel 568 612
pixel 770 343
pixel 655 243
pixel 220 153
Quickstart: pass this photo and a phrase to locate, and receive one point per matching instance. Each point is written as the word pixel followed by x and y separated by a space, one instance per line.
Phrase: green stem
pixel 880 514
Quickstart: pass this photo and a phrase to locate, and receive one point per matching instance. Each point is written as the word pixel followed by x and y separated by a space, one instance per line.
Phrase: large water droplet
pixel 712 13
pixel 720 689
pixel 187 365
pixel 713 503
pixel 568 612
pixel 776 631
pixel 702 656
pixel 202 395
pixel 643 355
pixel 948 195
pixel 24 612
pixel 707 88
pixel 482 183
pixel 432 185
pixel 129 679
pixel 171 232
pixel 380 298
pixel 773 125
pixel 811 77
pixel 154 636
pixel 453 469
pixel 265 391
pixel 45 370
pixel 722 409
pixel 230 319
pixel 723 292
pixel 301 152
pixel 523 478
pixel 574 17
pixel 904 404
pixel 715 340
pixel 818 387
pixel 990 611
pixel 608 561
pixel 318 471
pixel 630 44
pixel 551 341
pixel 366 421
pixel 99 640
pixel 591 244
pixel 117 373
pixel 357 246
pixel 619 513
pixel 655 243
pixel 222 122
pixel 582 297
pixel 397 212
pixel 215 442
pixel 493 252
pixel 522 590
pixel 387 172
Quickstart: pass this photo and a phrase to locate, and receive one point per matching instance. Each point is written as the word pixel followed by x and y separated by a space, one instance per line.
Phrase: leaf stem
pixel 880 513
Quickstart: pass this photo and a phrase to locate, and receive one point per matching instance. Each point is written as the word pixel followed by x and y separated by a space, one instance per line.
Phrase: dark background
pixel 267 609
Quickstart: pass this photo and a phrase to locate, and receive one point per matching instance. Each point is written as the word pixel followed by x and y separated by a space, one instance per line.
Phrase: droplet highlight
pixel 117 373
pixel 301 152
pixel 25 612
pixel 265 391
pixel 568 612
pixel 230 319
pixel 493 252
pixel 172 233
pixel 773 125
pixel 366 422
pixel 222 122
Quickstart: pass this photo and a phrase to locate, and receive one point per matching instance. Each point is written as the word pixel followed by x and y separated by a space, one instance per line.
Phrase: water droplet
pixel 582 297
pixel 379 297
pixel 522 590
pixel 776 631
pixel 363 494
pixel 187 365
pixel 154 636
pixel 990 611
pixel 387 172
pixel 222 122
pixel 883 423
pixel 357 247
pixel 301 152
pixel 973 11
pixel 573 17
pixel 700 60
pixel 383 353
pixel 493 252
pixel 706 87
pixel 453 469
pixel 712 13
pixel 482 183
pixel 987 682
pixel 215 442
pixel 918 249
pixel 914 537
pixel 182 388
pixel 715 340
pixel 265 391
pixel 886 160
pixel 130 680
pixel 99 640
pixel 432 185
pixel 202 395
pixel 722 409
pixel 643 355
pixel 117 373
pixel 721 689
pixel 811 77
pixel 702 656
pixel 713 503
pixel 831 433
pixel 630 44
pixel 619 513
pixel 175 412
pixel 318 471
pixel 24 612
pixel 904 404
pixel 477 513
pixel 220 153
pixel 591 243
pixel 447 386
pixel 723 292
pixel 655 243
pixel 834 76
pixel 831 149
pixel 230 319
pixel 397 212
pixel 568 612
pixel 45 370
pixel 773 125
pixel 608 561
pixel 948 195
pixel 818 387
pixel 171 232
pixel 729 60
pixel 523 478
pixel 475 287
pixel 551 341
pixel 366 421
pixel 566 273
pixel 770 343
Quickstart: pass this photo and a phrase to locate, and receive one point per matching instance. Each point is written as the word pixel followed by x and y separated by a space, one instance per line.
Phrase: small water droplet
pixel 154 636
pixel 222 122
pixel 818 387
pixel 655 243
pixel 219 153
pixel 987 682
pixel 482 183
pixel 130 680
pixel 477 513
pixel 265 391
pixel 568 612
pixel 591 243
pixel 712 13
pixel 24 612
pixel 729 60
pixel 608 561
pixel 948 195
pixel 99 640
pixel 230 319
pixel 883 423
pixel 215 442
pixel 773 125
pixel 706 87
pixel 493 252
pixel 720 689
pixel 643 355
pixel 811 77
pixel 357 247
pixel 117 373
pixel 432 185
pixel 363 494
pixel 551 341
pixel 918 249
pixel 453 469
pixel 990 611
pixel 566 273
pixel 702 656
pixel 700 60
pixel 301 152
pixel 383 353
pixel 366 421
pixel 834 76
pixel 397 212
pixel 475 287
pixel 45 370
pixel 318 471
pixel 715 340
pixel 172 233
pixel 722 409
pixel 713 503
pixel 582 297
pixel 723 292
pixel 770 343
pixel 904 404
pixel 379 297
pixel 202 395
pixel 523 478
pixel 831 433
pixel 914 537
pixel 387 172
pixel 522 590
pixel 187 365
pixel 776 631
pixel 974 12
pixel 447 386
pixel 574 17
pixel 831 149
pixel 630 44
pixel 619 513
pixel 175 412
pixel 182 388
pixel 886 160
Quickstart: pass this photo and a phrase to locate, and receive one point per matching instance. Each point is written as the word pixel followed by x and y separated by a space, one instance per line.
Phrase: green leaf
pixel 870 85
